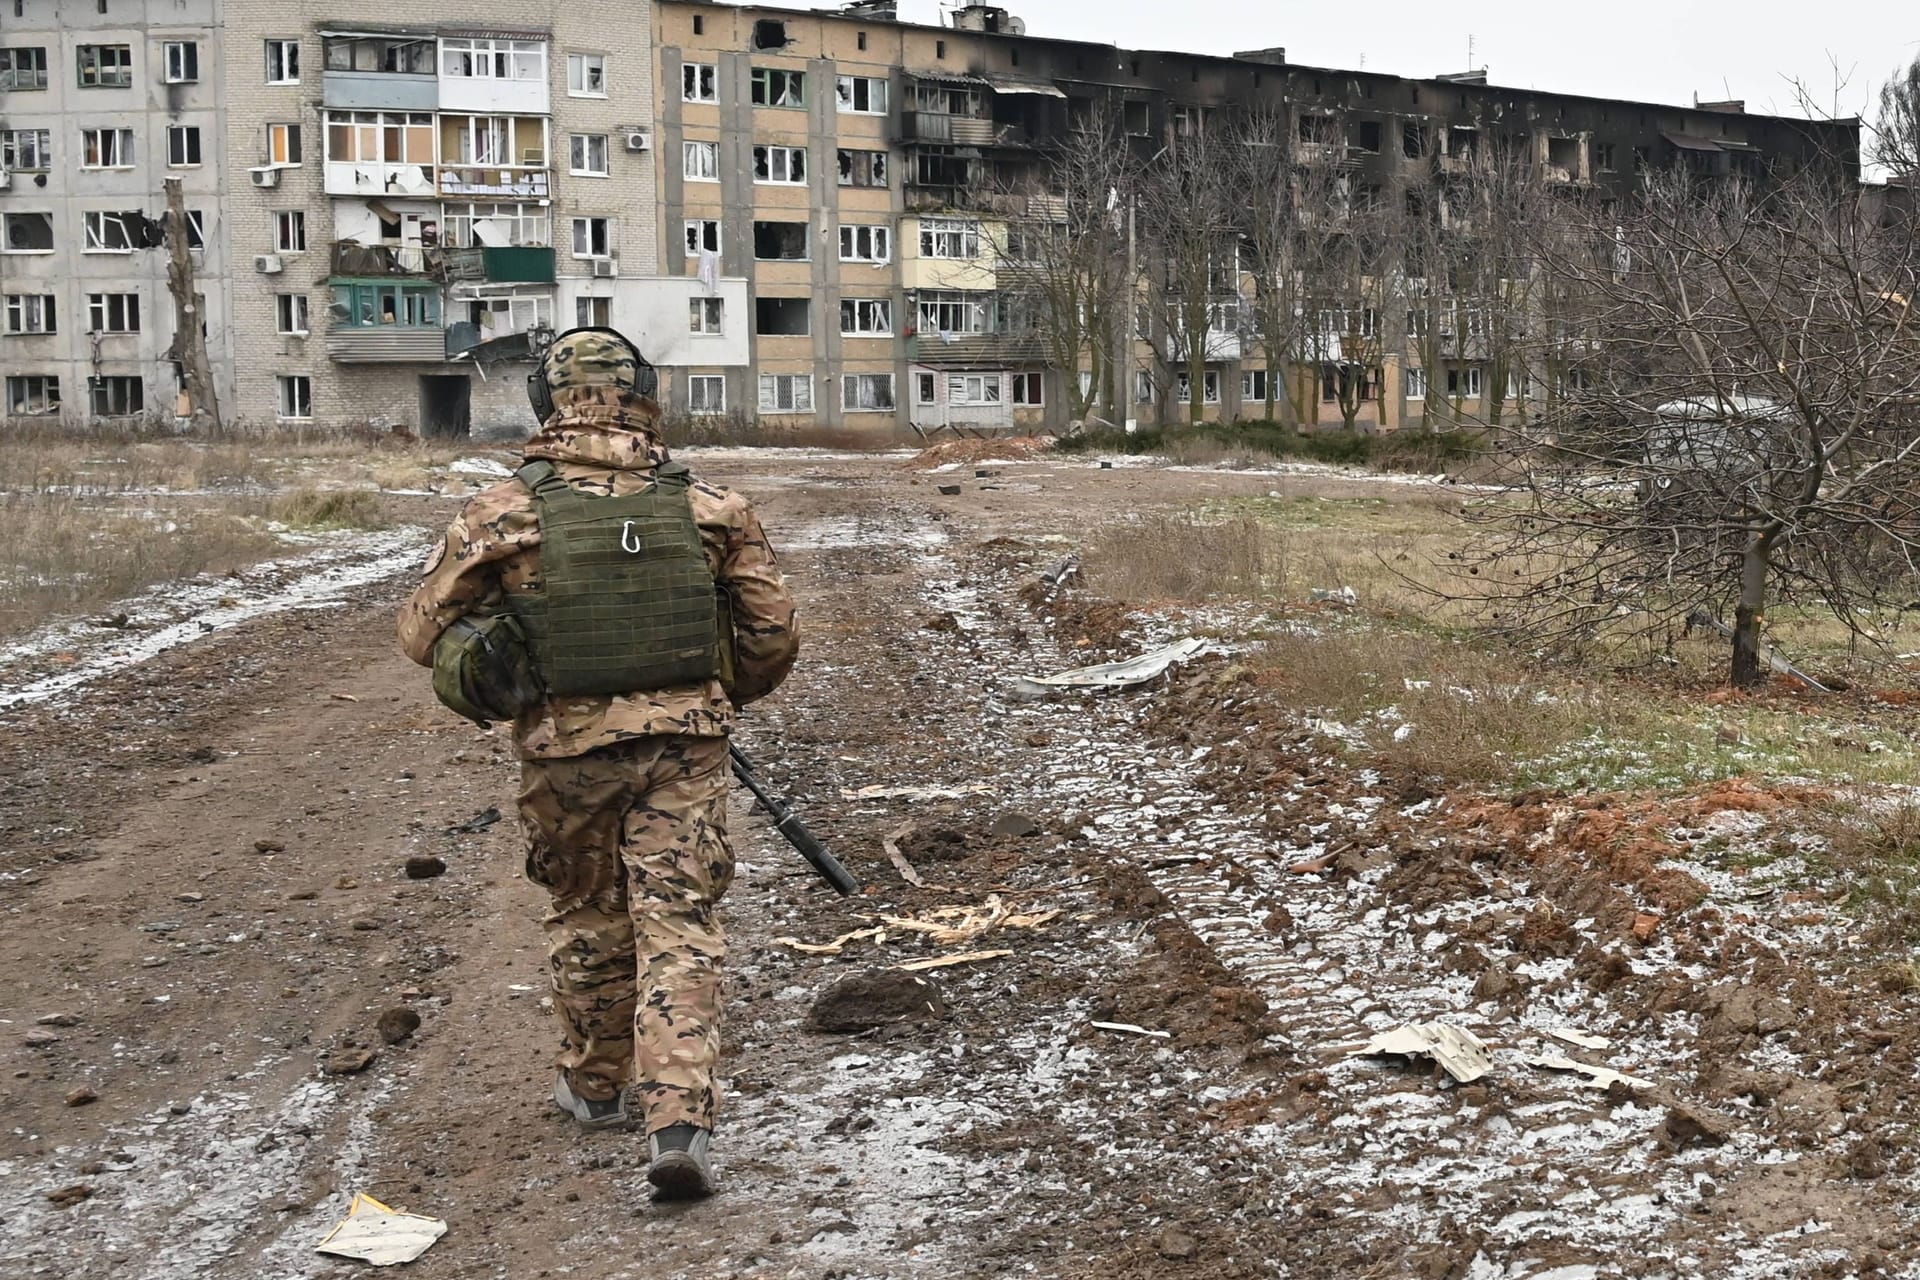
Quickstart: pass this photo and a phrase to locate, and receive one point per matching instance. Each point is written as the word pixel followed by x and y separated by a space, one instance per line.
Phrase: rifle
pixel 788 824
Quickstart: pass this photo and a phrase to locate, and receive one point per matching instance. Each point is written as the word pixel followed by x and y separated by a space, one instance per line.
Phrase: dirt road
pixel 204 881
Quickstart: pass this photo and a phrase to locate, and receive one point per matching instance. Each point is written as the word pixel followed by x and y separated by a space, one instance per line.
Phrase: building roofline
pixel 1121 53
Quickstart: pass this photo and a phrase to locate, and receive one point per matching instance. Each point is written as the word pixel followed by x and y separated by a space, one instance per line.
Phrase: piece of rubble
pixel 67 1197
pixel 58 1020
pixel 81 1096
pixel 371 1232
pixel 1460 1053
pixel 948 490
pixel 1579 1039
pixel 269 846
pixel 1176 1243
pixel 397 1023
pixel 425 866
pixel 942 962
pixel 39 1039
pixel 1686 1125
pixel 1014 826
pixel 1596 1076
pixel 348 1061
pixel 876 998
pixel 1345 597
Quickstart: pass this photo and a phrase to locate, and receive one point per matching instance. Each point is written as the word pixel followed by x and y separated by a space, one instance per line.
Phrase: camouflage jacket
pixel 601 441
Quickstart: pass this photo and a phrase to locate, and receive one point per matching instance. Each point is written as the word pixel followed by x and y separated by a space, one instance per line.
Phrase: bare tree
pixel 1352 281
pixel 1062 262
pixel 1278 190
pixel 1739 427
pixel 1189 239
pixel 1896 131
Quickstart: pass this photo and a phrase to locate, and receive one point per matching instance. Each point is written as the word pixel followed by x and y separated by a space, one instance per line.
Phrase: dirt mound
pixel 1009 449
pixel 880 998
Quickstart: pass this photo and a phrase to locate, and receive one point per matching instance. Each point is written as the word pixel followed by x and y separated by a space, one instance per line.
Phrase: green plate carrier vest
pixel 627 602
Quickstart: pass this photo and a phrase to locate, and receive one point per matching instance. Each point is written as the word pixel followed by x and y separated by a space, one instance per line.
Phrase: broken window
pixel 116 397
pixel 1413 139
pixel 782 317
pixel 936 168
pixel 1209 387
pixel 113 313
pixel 33 393
pixel 867 393
pixel 863 168
pixel 780 166
pixel 1319 130
pixel 1364 135
pixel 104 66
pixel 974 388
pixel 586 75
pixel 30 150
pixel 769 33
pixel 780 241
pixel 1462 142
pixel 866 317
pixel 703 235
pixel 699 82
pixel 862 95
pixel 31 313
pixel 592 238
pixel 1188 121
pixel 107 233
pixel 23 68
pixel 707 393
pixel 705 315
pixel 949 238
pixel 182 61
pixel 1603 156
pixel 1134 118
pixel 955 311
pixel 106 148
pixel 775 88
pixel 396 55
pixel 859 243
pixel 1028 389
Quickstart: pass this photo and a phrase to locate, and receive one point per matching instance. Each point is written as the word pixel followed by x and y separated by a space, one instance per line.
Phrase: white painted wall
pixel 652 310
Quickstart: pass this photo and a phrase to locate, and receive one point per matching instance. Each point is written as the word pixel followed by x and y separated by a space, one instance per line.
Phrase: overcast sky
pixel 1644 50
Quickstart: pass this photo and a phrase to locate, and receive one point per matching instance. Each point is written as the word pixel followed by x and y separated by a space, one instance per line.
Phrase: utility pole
pixel 189 330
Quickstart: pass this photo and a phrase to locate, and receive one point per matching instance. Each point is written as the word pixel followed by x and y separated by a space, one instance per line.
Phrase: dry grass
pixel 67 555
pixel 1875 845
pixel 331 509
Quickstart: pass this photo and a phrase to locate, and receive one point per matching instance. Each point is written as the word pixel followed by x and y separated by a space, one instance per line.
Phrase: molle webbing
pixel 626 601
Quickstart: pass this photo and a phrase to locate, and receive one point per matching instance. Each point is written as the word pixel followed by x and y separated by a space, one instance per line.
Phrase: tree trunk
pixel 1747 670
pixel 189 337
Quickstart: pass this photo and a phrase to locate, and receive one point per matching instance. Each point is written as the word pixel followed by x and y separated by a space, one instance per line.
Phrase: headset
pixel 646 379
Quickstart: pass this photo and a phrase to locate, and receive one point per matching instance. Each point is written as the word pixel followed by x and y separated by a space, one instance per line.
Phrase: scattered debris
pixel 875 998
pixel 269 846
pixel 1460 1053
pixel 81 1096
pixel 397 1023
pixel 950 926
pixel 58 1020
pixel 477 823
pixel 1313 866
pixel 916 794
pixel 374 1233
pixel 948 490
pixel 1598 1077
pixel 1128 1028
pixel 944 621
pixel 941 962
pixel 1645 925
pixel 67 1197
pixel 891 844
pixel 39 1039
pixel 425 866
pixel 1063 570
pixel 343 697
pixel 1345 597
pixel 478 466
pixel 1580 1039
pixel 1116 675
pixel 834 947
pixel 1705 621
pixel 1687 1125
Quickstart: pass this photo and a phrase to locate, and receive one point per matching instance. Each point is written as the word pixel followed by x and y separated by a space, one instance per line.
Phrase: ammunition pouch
pixel 482 668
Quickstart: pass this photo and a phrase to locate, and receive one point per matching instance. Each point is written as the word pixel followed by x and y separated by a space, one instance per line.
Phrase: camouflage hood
pixel 600 427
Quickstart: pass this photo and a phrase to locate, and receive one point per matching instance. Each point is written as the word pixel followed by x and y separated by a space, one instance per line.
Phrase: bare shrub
pixel 331 509
pixel 1190 557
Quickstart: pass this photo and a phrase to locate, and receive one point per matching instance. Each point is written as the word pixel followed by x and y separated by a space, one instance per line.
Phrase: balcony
pixel 961 131
pixel 379 90
pixel 500 264
pixel 977 350
pixel 377 178
pixel 362 261
pixel 387 344
pixel 507 182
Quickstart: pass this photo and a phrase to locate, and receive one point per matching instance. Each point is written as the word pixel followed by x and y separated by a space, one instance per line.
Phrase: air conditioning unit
pixel 605 268
pixel 639 140
pixel 265 176
pixel 268 264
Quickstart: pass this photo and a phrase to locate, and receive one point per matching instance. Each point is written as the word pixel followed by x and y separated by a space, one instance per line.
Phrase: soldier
pixel 649 606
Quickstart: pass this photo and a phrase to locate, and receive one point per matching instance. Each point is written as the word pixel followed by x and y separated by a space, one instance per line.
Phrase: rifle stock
pixel 794 831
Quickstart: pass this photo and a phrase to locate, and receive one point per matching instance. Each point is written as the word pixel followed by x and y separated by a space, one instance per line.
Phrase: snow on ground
pixel 165 617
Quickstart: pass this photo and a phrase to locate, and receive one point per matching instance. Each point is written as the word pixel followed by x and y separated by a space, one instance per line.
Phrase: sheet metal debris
pixel 1116 675
pixel 878 792
pixel 1580 1039
pixel 374 1233
pixel 1598 1077
pixel 1461 1054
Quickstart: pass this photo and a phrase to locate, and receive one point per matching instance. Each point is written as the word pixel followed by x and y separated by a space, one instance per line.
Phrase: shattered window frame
pixel 32 393
pixel 779 166
pixel 777 87
pixel 105 232
pixel 867 393
pixel 699 82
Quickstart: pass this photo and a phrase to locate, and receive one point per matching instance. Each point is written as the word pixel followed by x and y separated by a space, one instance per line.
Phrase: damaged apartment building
pixel 794 213
pixel 854 172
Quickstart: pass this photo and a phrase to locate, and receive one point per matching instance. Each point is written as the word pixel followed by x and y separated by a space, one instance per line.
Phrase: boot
pixel 680 1168
pixel 592 1113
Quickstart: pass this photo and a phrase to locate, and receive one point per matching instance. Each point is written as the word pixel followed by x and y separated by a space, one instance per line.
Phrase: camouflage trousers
pixel 631 842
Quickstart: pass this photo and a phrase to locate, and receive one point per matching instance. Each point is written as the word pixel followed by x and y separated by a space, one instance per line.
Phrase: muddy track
pixel 204 859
